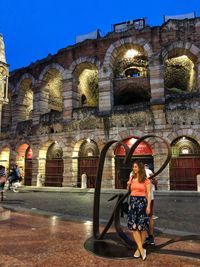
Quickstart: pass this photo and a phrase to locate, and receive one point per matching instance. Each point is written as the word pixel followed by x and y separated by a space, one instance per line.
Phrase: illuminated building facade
pixel 64 108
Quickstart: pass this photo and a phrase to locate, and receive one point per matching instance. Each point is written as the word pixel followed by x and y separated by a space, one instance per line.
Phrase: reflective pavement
pixel 33 240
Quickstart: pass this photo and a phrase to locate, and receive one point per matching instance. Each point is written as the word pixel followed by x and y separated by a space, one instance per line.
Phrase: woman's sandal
pixel 144 256
pixel 137 254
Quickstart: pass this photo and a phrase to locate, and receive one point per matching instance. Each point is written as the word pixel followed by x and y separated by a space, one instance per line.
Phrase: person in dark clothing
pixel 2 180
pixel 14 176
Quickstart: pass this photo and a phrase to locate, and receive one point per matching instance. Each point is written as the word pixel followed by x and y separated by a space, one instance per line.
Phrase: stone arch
pixel 84 75
pixel 191 133
pixel 51 91
pixel 20 155
pixel 126 69
pixel 91 60
pixel 56 66
pixel 5 156
pixel 24 103
pixel 185 163
pixel 111 52
pixel 51 168
pixel 85 162
pixel 186 47
pixel 181 58
pixel 24 76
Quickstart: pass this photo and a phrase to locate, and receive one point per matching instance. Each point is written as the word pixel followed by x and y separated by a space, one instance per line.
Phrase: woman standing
pixel 139 208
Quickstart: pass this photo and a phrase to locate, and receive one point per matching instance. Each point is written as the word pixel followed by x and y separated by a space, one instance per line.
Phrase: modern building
pixel 136 80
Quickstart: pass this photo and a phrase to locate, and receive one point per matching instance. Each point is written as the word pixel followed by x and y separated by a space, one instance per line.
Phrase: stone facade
pixel 76 95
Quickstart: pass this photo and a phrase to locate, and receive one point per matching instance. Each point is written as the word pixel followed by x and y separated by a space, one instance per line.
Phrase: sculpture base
pixel 110 247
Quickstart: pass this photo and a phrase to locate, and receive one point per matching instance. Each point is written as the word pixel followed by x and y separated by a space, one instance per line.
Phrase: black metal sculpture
pixel 115 216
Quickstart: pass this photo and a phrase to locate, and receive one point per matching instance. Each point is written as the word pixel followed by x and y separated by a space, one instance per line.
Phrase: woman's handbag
pixel 125 207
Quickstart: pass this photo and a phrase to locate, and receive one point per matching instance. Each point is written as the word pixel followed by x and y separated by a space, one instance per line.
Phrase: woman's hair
pixel 141 171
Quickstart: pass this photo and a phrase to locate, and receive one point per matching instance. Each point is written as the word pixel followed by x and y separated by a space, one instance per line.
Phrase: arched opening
pixel 53 81
pixel 130 71
pixel 20 158
pixel 180 71
pixel 25 100
pixel 54 166
pixel 28 166
pixel 5 158
pixel 86 85
pixel 142 153
pixel 185 164
pixel 88 159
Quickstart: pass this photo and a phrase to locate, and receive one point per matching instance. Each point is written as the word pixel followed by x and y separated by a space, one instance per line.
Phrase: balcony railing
pixel 136 83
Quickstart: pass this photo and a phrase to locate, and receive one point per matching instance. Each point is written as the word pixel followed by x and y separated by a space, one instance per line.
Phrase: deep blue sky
pixel 34 28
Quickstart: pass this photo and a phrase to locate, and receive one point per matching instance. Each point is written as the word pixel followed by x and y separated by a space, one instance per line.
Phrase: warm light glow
pixel 133 140
pixel 185 151
pixel 131 53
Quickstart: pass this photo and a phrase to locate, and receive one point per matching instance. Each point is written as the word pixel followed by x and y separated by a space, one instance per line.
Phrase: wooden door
pixel 28 172
pixel 89 166
pixel 183 173
pixel 54 172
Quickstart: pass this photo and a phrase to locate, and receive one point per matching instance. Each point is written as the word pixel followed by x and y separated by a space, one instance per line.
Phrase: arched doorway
pixel 22 151
pixel 88 162
pixel 5 158
pixel 142 153
pixel 28 166
pixel 54 166
pixel 185 164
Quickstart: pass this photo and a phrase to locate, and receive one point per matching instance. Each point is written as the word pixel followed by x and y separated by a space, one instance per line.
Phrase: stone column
pixel 198 76
pixel 14 112
pixel 157 92
pixel 1 104
pixel 36 181
pixel 68 177
pixel 68 99
pixel 108 179
pixel 40 101
pixel 12 158
pixel 105 94
pixel 157 81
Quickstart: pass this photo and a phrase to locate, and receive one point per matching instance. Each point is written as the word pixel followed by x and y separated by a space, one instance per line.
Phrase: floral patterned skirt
pixel 137 217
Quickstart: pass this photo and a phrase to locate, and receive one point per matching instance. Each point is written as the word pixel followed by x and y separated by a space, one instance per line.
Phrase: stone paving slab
pixel 31 240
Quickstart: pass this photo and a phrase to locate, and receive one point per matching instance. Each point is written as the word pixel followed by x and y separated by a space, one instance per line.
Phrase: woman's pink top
pixel 139 189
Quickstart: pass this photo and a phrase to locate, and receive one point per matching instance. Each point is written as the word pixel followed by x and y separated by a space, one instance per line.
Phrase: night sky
pixel 34 28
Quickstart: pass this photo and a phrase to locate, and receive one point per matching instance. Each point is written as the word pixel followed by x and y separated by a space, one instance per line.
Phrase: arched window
pixel 132 72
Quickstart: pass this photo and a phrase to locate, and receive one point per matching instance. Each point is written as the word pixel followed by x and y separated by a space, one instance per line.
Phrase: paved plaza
pixel 50 229
pixel 32 240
